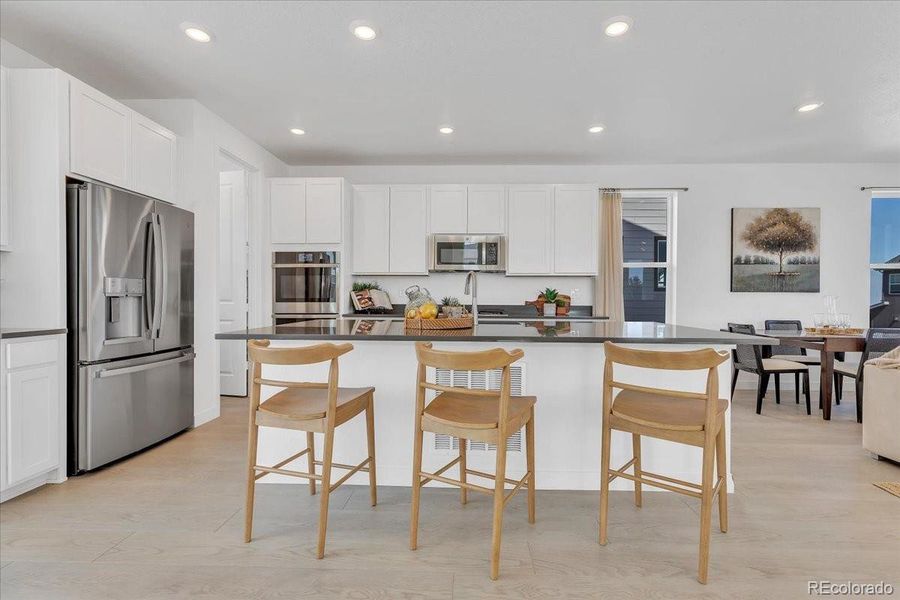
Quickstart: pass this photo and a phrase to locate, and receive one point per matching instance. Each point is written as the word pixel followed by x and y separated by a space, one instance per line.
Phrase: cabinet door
pixel 408 238
pixel 575 227
pixel 529 220
pixel 448 209
pixel 32 397
pixel 4 161
pixel 287 210
pixel 100 136
pixel 153 159
pixel 323 210
pixel 371 229
pixel 486 208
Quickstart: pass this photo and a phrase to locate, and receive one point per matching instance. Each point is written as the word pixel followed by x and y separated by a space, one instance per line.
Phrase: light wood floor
pixel 167 524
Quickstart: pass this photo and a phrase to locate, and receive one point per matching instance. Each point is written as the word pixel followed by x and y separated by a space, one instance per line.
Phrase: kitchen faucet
pixel 472 284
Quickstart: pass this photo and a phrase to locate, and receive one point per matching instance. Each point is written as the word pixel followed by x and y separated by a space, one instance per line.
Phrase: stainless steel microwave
pixel 468 253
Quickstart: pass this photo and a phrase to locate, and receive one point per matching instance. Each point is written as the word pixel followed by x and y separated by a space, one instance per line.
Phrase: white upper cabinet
pixel 371 229
pixel 305 210
pixel 529 230
pixel 154 158
pixel 4 162
pixel 408 231
pixel 575 227
pixel 486 208
pixel 324 210
pixel 448 209
pixel 287 206
pixel 100 141
pixel 113 144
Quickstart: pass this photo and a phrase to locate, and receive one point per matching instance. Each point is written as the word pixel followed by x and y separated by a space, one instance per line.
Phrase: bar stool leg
pixel 529 449
pixel 709 455
pixel 499 487
pixel 251 476
pixel 463 492
pixel 416 485
pixel 370 437
pixel 311 460
pixel 720 472
pixel 636 449
pixel 326 485
pixel 604 478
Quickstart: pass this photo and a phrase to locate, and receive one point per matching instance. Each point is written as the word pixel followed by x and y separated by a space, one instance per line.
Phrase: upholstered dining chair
pixel 749 358
pixel 878 341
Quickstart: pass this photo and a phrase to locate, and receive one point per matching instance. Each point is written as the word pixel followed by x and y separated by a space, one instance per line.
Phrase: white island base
pixel 567 380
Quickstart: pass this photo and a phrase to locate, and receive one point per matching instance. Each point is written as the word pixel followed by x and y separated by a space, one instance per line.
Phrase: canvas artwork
pixel 775 250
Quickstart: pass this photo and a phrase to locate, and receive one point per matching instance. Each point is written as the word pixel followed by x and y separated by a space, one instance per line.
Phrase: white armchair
pixel 881 425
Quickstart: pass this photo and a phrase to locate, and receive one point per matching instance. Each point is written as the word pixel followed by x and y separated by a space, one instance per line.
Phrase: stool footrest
pixel 267 470
pixel 489 476
pixel 343 466
pixel 516 489
pixel 456 482
pixel 428 476
pixel 360 467
pixel 645 477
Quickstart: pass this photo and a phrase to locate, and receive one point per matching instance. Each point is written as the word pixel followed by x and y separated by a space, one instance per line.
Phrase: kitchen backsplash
pixel 493 288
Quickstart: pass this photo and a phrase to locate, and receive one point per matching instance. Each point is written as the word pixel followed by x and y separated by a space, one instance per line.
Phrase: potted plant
pixel 550 295
pixel 450 307
pixel 359 286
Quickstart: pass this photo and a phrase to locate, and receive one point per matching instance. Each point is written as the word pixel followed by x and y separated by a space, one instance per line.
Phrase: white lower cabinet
pixel 32 411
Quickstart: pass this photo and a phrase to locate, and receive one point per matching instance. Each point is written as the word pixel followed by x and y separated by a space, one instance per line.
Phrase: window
pixel 648 278
pixel 884 259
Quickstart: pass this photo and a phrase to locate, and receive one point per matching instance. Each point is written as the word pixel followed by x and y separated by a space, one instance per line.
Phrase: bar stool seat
pixel 663 412
pixel 456 409
pixel 307 403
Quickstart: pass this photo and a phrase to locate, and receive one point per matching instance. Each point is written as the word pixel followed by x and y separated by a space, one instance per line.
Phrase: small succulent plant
pixel 551 295
pixel 450 301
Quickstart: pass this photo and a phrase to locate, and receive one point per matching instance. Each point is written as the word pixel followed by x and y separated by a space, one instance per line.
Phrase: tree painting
pixel 780 231
pixel 775 249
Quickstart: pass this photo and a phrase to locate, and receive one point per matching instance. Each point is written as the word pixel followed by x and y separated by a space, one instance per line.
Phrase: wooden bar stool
pixel 309 407
pixel 481 415
pixel 684 417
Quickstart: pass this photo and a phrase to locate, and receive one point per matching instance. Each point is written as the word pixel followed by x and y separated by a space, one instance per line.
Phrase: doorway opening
pixel 233 280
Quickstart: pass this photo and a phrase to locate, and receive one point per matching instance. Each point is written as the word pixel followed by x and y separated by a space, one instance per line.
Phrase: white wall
pixel 704 223
pixel 202 136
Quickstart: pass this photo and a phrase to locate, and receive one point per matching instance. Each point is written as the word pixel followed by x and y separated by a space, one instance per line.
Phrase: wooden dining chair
pixel 878 342
pixel 696 419
pixel 309 407
pixel 480 415
pixel 749 358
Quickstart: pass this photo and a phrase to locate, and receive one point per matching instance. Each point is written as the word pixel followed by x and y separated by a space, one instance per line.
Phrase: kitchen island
pixel 563 367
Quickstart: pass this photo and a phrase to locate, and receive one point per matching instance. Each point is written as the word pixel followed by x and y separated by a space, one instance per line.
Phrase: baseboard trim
pixel 207 415
pixel 31 484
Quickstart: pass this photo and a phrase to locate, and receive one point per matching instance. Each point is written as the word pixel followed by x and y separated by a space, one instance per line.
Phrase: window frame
pixel 880 195
pixel 671 247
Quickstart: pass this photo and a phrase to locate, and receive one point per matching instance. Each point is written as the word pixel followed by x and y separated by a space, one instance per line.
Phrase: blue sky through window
pixel 885 243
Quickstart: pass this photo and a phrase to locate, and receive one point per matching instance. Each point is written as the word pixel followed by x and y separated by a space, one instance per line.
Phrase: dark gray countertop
pixel 20 332
pixel 360 329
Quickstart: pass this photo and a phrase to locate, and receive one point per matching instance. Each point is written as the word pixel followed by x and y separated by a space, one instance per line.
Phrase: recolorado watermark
pixel 848 588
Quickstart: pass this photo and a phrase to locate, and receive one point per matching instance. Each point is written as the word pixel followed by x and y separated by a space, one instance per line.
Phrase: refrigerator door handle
pixel 159 277
pixel 104 373
pixel 149 248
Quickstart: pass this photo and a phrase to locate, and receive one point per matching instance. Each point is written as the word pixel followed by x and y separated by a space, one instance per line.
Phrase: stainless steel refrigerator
pixel 131 322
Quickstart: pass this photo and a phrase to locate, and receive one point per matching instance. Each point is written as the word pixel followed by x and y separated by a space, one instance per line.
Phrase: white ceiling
pixel 519 81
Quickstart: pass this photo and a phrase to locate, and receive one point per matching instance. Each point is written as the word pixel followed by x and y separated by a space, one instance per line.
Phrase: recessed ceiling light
pixel 617 26
pixel 196 33
pixel 297 131
pixel 363 31
pixel 595 128
pixel 809 107
pixel 446 130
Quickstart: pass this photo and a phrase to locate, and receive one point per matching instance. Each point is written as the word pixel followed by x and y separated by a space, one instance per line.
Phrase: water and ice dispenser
pixel 124 308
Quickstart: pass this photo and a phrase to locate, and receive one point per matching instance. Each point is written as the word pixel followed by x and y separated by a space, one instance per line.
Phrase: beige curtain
pixel 609 297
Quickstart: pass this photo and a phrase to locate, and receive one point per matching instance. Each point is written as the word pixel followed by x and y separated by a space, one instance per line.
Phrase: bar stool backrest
pixel 691 360
pixel 484 360
pixel 261 354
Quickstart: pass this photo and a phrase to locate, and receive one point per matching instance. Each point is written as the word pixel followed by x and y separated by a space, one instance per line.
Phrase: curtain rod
pixel 644 189
pixel 879 187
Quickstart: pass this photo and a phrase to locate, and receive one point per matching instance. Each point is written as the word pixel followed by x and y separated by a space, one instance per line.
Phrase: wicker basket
pixel 463 322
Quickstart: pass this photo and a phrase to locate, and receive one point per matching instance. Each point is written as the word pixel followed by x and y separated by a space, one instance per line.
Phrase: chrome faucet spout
pixel 472 288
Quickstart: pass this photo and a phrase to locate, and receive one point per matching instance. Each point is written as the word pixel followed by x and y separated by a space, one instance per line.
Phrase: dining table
pixel 826 345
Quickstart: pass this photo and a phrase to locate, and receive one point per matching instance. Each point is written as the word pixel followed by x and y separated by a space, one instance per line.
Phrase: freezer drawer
pixel 127 405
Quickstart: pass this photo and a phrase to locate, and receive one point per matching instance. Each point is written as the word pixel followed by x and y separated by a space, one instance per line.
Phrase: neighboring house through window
pixel 884 258
pixel 648 251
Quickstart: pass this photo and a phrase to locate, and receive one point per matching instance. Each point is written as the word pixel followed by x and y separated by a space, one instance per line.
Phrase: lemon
pixel 412 314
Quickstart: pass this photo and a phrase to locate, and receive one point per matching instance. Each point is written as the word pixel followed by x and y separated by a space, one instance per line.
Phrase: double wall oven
pixel 304 286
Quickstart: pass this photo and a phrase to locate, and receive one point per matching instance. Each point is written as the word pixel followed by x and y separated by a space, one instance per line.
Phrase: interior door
pixel 175 229
pixel 232 280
